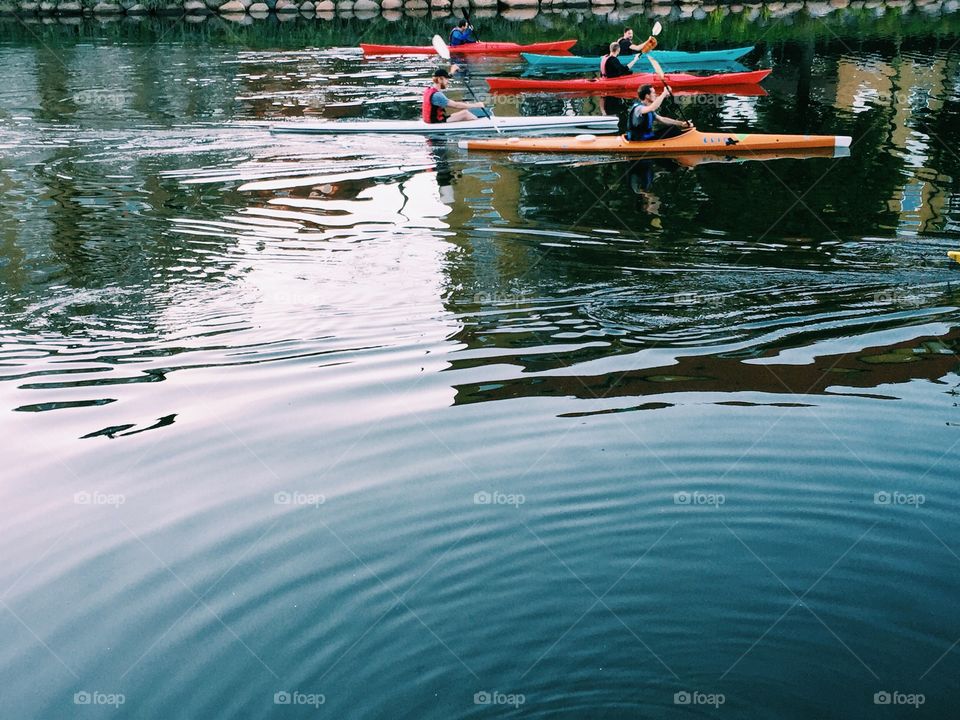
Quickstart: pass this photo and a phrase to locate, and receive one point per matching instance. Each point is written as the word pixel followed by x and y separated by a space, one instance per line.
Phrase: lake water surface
pixel 412 432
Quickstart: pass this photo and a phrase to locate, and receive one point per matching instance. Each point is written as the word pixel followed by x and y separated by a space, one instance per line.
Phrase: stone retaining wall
pixel 247 10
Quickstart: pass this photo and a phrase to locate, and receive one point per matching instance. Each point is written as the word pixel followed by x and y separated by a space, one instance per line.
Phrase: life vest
pixel 430 112
pixel 603 65
pixel 640 125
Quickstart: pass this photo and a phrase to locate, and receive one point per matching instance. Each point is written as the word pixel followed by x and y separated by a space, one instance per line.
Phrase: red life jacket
pixel 603 65
pixel 430 112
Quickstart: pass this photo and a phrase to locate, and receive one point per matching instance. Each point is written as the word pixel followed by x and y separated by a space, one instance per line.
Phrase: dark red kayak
pixel 627 82
pixel 478 48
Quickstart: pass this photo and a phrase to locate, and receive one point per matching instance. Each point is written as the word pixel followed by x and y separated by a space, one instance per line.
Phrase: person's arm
pixel 460 105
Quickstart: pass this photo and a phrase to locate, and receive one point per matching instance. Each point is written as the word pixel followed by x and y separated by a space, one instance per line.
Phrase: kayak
pixel 635 80
pixel 418 127
pixel 692 141
pixel 631 93
pixel 666 58
pixel 955 254
pixel 478 48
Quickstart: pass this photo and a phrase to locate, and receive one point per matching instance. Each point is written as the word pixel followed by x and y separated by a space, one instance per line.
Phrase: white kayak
pixel 418 127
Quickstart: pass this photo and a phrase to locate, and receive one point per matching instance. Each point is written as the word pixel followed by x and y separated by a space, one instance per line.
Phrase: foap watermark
pixel 895 697
pixel 498 498
pixel 485 298
pixel 696 697
pixel 295 697
pixel 695 298
pixel 898 298
pixel 101 98
pixel 699 499
pixel 96 697
pixel 295 497
pixel 495 697
pixel 895 497
pixel 96 497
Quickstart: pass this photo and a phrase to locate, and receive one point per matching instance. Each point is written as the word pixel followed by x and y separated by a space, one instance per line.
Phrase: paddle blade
pixel 656 67
pixel 657 27
pixel 441 47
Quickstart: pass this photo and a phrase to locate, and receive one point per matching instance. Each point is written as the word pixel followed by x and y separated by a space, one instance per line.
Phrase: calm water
pixel 390 425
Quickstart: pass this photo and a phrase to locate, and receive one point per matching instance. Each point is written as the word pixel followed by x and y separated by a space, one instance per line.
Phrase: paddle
pixel 443 51
pixel 659 71
pixel 470 25
pixel 657 28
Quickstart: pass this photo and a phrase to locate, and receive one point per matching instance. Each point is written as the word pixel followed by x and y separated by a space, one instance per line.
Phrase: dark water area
pixel 373 427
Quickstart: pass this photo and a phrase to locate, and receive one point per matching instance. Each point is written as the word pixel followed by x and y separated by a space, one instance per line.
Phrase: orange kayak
pixel 692 141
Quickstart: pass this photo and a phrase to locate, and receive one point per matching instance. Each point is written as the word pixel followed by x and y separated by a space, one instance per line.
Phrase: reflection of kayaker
pixel 436 103
pixel 643 115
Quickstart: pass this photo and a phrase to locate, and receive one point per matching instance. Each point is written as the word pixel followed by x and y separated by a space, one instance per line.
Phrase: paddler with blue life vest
pixel 436 103
pixel 462 34
pixel 643 115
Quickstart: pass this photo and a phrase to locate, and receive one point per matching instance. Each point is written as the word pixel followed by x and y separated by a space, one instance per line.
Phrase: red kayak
pixel 478 48
pixel 627 82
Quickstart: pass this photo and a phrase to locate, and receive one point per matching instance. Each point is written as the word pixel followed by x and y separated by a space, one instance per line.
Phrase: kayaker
pixel 462 34
pixel 610 65
pixel 643 114
pixel 627 47
pixel 436 103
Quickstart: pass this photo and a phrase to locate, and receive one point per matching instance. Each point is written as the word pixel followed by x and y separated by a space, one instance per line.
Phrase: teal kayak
pixel 672 59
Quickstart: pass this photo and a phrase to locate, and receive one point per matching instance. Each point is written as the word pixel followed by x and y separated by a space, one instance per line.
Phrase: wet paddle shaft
pixel 443 51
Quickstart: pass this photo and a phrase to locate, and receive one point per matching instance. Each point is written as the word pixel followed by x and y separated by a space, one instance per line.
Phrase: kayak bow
pixel 478 48
pixel 635 80
pixel 692 141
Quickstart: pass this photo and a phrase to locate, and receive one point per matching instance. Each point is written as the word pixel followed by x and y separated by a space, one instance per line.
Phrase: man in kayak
pixel 436 103
pixel 610 65
pixel 627 47
pixel 462 34
pixel 643 114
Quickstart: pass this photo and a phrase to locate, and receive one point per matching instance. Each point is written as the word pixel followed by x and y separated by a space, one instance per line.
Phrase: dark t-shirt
pixel 613 68
pixel 625 46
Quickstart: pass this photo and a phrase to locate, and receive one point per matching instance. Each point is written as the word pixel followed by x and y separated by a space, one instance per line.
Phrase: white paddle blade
pixel 441 47
pixel 657 27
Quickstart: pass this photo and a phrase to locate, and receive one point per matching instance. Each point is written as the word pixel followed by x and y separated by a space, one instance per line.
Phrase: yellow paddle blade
pixel 656 67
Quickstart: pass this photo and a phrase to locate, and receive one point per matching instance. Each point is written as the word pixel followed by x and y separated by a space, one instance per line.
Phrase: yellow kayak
pixel 692 141
pixel 954 254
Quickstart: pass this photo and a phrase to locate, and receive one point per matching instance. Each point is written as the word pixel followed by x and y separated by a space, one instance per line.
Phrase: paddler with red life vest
pixel 610 65
pixel 436 103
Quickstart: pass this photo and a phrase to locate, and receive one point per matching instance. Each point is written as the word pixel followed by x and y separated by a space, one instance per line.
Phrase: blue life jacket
pixel 640 124
pixel 461 37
